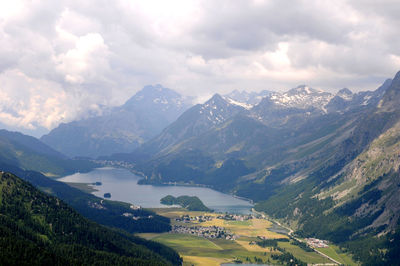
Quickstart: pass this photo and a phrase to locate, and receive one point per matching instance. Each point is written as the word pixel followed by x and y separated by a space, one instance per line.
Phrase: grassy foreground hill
pixel 37 229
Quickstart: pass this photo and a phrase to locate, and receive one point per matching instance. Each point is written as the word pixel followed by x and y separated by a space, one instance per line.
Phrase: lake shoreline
pixel 145 181
pixel 125 186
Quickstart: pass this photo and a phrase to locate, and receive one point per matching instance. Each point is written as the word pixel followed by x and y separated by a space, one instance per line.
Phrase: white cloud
pixel 86 62
pixel 60 60
pixel 29 102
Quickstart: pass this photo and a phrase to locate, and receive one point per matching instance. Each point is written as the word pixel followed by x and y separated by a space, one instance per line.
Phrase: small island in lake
pixel 107 195
pixel 191 203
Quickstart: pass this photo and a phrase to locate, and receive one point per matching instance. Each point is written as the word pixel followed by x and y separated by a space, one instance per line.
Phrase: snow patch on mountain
pixel 244 105
pixel 249 98
pixel 218 109
pixel 302 97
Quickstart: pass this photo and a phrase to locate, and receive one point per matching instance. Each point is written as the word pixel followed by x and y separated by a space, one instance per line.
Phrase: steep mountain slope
pixel 29 153
pixel 37 229
pixel 194 122
pixel 208 140
pixel 364 155
pixel 120 129
pixel 345 100
pixel 355 194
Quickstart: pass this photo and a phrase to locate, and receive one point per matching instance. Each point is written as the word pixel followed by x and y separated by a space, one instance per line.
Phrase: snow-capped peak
pixel 218 109
pixel 302 97
pixel 247 98
pixel 345 94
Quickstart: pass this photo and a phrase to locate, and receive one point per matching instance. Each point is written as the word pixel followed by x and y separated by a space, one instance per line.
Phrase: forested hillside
pixel 37 229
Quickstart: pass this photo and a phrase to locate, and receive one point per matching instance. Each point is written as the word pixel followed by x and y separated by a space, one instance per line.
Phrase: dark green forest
pixel 38 229
pixel 191 203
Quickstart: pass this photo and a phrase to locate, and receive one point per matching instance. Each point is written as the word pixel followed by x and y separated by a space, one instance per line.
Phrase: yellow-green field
pixel 334 252
pixel 202 251
pixel 203 261
pixel 309 257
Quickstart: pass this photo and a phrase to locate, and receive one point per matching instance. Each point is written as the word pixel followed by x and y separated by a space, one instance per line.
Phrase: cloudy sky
pixel 61 60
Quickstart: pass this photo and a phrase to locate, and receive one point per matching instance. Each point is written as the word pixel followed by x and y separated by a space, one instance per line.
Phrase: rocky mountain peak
pixel 156 94
pixel 302 97
pixel 345 94
pixel 216 99
pixel 391 99
pixel 345 91
pixel 217 109
pixel 301 89
pixel 122 128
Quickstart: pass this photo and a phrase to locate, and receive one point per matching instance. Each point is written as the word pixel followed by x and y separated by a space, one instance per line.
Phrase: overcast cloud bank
pixel 63 60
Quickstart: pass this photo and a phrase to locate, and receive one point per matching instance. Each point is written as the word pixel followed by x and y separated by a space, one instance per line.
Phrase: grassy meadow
pixel 203 251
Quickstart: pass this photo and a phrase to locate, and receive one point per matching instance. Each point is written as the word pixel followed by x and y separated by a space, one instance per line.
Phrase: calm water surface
pixel 123 186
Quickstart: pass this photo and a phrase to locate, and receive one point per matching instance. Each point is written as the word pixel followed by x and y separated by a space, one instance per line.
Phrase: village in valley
pixel 203 218
pixel 246 238
pixel 205 231
pixel 222 232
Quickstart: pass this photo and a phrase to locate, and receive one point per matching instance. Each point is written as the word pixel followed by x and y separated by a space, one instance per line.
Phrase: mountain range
pixel 305 156
pixel 122 128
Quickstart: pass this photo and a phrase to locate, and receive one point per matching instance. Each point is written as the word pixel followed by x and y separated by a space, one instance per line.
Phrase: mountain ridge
pixel 120 129
pixel 30 153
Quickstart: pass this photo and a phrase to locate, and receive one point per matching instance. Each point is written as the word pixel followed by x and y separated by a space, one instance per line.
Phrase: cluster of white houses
pixel 317 243
pixel 235 217
pixel 201 218
pixel 135 207
pixel 202 231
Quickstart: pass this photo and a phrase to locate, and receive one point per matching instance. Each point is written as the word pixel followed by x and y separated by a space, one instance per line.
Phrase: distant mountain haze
pixel 122 128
